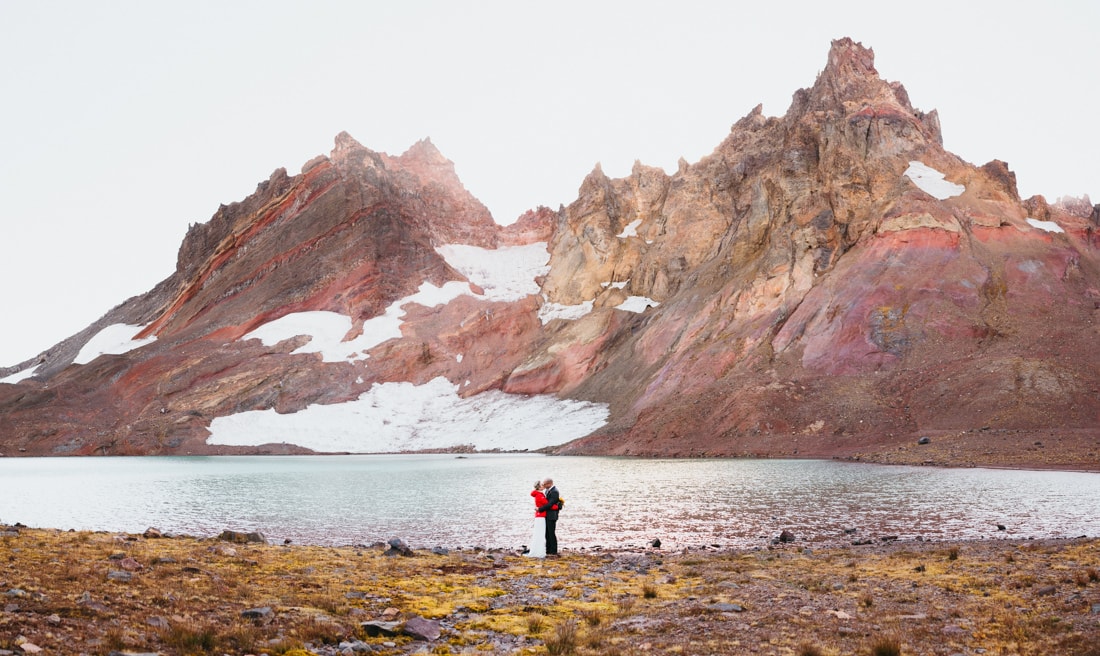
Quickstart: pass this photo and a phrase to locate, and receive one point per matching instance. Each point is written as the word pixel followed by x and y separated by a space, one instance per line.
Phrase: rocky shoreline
pixel 107 593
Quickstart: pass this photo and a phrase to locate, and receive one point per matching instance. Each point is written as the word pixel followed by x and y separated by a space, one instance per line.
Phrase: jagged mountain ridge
pixel 808 297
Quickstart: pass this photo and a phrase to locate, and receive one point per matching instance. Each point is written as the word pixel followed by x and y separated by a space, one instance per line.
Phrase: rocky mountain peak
pixel 830 282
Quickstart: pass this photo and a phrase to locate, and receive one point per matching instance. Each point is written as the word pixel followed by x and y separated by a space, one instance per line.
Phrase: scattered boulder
pixel 656 544
pixel 130 565
pixel 398 548
pixel 119 575
pixel 924 440
pixel 786 536
pixel 377 629
pixel 152 533
pixel 419 628
pixel 260 613
pixel 237 537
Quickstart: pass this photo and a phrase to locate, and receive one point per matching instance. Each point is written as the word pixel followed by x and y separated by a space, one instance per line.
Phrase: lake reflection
pixel 458 501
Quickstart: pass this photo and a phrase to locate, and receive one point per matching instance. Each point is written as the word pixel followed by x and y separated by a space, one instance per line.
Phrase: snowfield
pixel 396 417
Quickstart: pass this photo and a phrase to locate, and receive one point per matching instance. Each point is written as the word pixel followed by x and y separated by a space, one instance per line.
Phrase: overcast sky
pixel 121 123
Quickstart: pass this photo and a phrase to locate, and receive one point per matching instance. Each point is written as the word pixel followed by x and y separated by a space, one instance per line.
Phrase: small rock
pixel 924 440
pixel 390 614
pixel 726 608
pixel 786 536
pixel 152 533
pixel 440 551
pixel 398 548
pixel 419 628
pixel 54 619
pixel 16 592
pixel 157 622
pixel 119 575
pixel 130 565
pixel 1046 590
pixel 30 648
pixel 1096 609
pixel 257 613
pixel 376 629
pixel 656 544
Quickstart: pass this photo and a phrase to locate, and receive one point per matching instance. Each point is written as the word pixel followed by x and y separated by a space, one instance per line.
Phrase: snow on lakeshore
pixel 115 339
pixel 394 417
pixel 932 182
pixel 1049 226
pixel 19 375
pixel 506 274
pixel 327 330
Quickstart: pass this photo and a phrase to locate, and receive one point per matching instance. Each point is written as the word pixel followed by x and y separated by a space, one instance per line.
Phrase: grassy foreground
pixel 99 593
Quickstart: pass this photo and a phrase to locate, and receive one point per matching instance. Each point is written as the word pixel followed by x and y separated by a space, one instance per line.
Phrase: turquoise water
pixel 483 500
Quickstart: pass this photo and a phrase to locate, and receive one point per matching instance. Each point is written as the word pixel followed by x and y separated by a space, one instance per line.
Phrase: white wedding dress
pixel 536 547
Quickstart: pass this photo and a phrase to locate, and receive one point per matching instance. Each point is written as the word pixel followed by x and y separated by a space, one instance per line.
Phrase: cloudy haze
pixel 121 123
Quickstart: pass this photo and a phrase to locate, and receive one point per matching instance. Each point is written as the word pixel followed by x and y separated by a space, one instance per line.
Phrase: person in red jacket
pixel 551 508
pixel 537 546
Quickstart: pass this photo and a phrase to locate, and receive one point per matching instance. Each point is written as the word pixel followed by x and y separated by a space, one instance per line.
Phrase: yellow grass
pixel 187 596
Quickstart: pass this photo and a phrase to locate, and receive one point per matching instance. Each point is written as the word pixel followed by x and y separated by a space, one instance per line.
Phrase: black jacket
pixel 552 497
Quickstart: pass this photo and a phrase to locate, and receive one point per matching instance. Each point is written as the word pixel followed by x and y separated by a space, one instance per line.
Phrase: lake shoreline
pixel 96 592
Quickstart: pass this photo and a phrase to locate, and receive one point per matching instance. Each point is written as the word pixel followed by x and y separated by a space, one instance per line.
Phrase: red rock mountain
pixel 813 290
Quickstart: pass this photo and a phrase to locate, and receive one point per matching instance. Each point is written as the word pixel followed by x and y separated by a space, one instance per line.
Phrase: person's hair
pixel 538 484
pixel 548 482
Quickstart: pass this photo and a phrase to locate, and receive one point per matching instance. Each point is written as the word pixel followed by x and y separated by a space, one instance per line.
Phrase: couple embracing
pixel 544 538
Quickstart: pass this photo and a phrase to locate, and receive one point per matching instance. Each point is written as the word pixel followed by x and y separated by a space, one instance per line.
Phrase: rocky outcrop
pixel 828 282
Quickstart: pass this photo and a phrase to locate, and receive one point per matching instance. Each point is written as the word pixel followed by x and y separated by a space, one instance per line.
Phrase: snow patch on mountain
pixel 1049 226
pixel 115 339
pixel 396 417
pixel 327 330
pixel 506 274
pixel 932 182
pixel 19 375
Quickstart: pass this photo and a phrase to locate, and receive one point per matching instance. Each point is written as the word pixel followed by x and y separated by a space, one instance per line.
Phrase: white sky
pixel 121 123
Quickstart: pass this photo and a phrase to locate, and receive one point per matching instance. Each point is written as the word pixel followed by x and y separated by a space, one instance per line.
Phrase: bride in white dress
pixel 536 547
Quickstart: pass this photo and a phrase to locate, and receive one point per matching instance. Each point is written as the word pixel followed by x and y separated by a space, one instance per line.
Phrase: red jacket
pixel 540 500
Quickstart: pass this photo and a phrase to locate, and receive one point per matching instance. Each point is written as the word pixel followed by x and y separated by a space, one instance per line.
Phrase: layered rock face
pixel 828 282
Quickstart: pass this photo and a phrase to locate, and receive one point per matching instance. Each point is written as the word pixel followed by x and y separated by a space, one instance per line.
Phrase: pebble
pixel 119 575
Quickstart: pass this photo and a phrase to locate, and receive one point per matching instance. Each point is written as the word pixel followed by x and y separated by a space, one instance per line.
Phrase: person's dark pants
pixel 551 535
